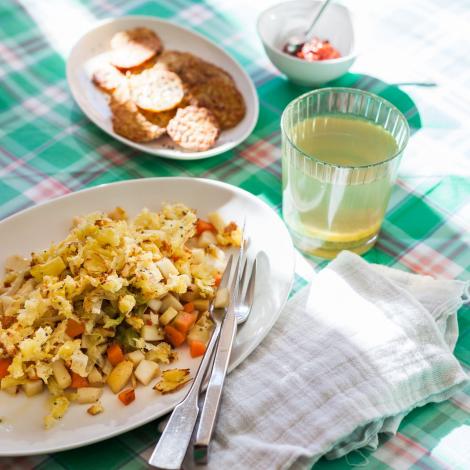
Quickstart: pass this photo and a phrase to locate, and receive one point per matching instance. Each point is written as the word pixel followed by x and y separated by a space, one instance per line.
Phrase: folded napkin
pixel 350 356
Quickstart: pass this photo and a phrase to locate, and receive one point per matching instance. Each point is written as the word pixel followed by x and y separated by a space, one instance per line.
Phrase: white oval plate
pixel 21 428
pixel 92 48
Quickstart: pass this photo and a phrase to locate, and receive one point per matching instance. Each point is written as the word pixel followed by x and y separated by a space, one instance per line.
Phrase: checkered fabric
pixel 49 148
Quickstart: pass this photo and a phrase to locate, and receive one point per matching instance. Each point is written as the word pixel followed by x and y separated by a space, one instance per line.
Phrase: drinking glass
pixel 332 207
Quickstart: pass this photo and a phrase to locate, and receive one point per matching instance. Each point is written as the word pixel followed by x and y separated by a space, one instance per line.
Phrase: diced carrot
pixel 217 280
pixel 184 321
pixel 174 336
pixel 203 225
pixel 4 365
pixel 74 328
pixel 197 348
pixel 189 307
pixel 78 381
pixel 127 396
pixel 115 354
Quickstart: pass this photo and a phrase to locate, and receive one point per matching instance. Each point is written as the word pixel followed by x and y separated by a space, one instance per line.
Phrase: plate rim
pixel 162 153
pixel 232 365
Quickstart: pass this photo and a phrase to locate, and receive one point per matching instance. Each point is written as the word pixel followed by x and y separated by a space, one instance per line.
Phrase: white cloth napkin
pixel 350 356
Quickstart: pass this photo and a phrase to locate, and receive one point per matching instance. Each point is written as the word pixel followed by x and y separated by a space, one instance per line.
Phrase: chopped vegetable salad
pixel 109 305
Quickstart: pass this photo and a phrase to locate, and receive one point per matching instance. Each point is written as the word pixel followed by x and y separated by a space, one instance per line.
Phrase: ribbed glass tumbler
pixel 330 206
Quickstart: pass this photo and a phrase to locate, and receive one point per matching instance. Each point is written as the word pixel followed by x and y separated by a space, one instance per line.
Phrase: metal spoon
pixel 296 42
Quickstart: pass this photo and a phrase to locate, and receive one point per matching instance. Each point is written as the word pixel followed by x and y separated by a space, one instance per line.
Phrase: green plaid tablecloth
pixel 48 148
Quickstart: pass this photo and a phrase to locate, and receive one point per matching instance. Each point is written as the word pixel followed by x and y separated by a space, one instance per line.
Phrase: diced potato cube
pixel 95 377
pixel 151 333
pixel 136 356
pixel 13 390
pixel 201 305
pixel 155 305
pixel 170 301
pixel 95 409
pixel 206 239
pixel 88 394
pixel 61 374
pixel 199 333
pixel 120 375
pixel 9 382
pixel 167 268
pixel 146 371
pixel 33 387
pixel 222 298
pixel 217 221
pixel 168 316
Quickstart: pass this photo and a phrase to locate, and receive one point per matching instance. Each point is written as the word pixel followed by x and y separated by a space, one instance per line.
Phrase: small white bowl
pixel 278 23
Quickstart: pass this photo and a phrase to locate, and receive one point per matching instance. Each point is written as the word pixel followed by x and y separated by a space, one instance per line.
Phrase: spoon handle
pixel 315 20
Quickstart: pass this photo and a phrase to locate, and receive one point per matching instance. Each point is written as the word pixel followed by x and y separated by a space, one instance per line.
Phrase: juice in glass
pixel 340 156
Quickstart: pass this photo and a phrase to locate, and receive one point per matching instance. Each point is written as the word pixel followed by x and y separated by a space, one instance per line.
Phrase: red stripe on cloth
pixel 11 167
pixel 415 445
pixel 423 259
pixel 463 405
pixel 404 453
pixel 262 153
pixel 46 189
pixel 111 154
pixel 9 57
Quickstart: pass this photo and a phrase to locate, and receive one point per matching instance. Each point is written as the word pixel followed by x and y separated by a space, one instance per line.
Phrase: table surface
pixel 49 148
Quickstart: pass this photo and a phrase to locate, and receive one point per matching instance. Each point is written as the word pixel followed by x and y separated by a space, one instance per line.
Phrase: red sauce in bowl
pixel 313 50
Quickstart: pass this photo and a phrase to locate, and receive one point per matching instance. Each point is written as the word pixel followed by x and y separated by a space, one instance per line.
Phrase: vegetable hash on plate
pixel 110 304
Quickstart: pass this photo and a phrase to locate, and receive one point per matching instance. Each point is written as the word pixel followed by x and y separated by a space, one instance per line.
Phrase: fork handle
pixel 213 397
pixel 173 443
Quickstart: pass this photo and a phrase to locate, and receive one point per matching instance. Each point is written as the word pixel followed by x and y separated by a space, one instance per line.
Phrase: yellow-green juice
pixel 327 202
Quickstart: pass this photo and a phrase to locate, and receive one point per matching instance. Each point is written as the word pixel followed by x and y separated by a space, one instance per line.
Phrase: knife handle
pixel 173 443
pixel 213 397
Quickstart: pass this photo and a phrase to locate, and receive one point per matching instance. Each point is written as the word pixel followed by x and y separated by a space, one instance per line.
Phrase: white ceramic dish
pixel 91 49
pixel 21 429
pixel 276 24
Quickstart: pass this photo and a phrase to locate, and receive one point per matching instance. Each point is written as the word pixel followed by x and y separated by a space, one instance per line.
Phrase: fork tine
pixel 250 289
pixel 233 280
pixel 243 280
pixel 238 269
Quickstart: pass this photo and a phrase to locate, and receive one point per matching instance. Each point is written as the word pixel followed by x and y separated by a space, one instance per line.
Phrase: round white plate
pixel 21 428
pixel 92 48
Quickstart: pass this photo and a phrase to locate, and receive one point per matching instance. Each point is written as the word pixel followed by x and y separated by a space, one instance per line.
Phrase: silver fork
pixel 234 317
pixel 173 443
